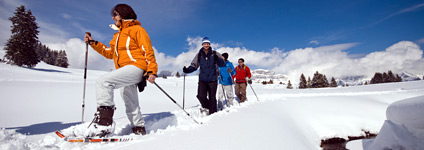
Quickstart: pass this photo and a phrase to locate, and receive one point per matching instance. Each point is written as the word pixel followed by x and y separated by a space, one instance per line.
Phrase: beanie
pixel 225 56
pixel 206 40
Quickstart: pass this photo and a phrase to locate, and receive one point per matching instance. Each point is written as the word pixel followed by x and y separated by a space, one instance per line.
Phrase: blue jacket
pixel 208 65
pixel 227 76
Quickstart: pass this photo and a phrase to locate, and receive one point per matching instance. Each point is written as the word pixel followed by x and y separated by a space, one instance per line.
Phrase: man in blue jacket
pixel 208 61
pixel 226 83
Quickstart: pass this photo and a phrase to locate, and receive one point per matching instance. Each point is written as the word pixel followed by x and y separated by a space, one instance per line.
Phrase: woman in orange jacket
pixel 134 58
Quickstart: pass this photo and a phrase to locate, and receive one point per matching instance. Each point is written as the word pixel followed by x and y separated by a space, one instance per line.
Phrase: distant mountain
pixel 406 76
pixel 352 80
pixel 260 75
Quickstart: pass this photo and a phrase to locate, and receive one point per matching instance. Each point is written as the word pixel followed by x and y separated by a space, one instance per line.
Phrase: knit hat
pixel 206 40
pixel 225 56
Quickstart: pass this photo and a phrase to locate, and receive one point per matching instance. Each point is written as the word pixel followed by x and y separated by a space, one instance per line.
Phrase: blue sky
pixel 259 26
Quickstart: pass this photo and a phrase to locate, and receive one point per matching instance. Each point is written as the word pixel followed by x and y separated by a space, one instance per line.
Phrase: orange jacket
pixel 130 46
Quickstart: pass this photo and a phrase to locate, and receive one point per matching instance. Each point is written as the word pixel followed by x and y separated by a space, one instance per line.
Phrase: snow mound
pixel 404 128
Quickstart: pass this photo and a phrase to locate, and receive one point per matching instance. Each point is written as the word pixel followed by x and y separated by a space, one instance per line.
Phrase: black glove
pixel 185 70
pixel 249 81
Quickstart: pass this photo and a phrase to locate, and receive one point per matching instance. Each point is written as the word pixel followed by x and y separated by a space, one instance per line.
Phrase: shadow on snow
pixel 153 122
pixel 43 128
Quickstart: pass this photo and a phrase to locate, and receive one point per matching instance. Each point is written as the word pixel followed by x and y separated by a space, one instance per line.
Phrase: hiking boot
pixel 204 111
pixel 103 122
pixel 139 130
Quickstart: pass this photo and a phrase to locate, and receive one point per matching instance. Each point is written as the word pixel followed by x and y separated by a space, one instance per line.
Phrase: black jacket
pixel 208 65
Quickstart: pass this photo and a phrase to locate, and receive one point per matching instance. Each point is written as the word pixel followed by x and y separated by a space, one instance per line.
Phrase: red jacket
pixel 242 73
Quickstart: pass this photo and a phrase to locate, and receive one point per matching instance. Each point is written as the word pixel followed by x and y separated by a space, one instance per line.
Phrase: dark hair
pixel 125 11
pixel 241 59
pixel 225 56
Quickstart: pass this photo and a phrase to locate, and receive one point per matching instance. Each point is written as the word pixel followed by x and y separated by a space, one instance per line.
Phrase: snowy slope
pixel 36 102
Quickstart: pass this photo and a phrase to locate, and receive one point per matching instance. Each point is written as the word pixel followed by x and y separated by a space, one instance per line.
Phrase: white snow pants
pixel 125 79
pixel 228 89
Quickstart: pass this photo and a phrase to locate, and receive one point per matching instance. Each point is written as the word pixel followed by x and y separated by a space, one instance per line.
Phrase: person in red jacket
pixel 242 77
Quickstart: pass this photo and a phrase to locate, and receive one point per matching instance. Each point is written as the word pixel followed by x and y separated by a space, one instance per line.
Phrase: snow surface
pixel 36 102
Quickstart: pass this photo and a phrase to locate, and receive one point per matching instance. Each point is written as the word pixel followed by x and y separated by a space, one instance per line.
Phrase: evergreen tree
pixel 319 80
pixel 302 83
pixel 51 57
pixel 164 76
pixel 41 51
pixel 326 83
pixel 178 75
pixel 309 83
pixel 20 48
pixel 391 76
pixel 385 77
pixel 398 78
pixel 289 85
pixel 378 78
pixel 333 82
pixel 62 60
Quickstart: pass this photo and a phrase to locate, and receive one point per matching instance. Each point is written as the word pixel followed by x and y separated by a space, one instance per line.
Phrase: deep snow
pixel 36 102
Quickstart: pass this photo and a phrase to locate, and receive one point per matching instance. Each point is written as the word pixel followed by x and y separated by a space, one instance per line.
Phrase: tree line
pixel 23 47
pixel 320 80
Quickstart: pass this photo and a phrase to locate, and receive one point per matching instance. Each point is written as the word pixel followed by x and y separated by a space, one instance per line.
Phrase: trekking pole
pixel 223 91
pixel 85 77
pixel 254 92
pixel 176 102
pixel 184 91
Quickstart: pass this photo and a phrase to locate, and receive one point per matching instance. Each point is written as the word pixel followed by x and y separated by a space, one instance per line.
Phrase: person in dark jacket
pixel 208 61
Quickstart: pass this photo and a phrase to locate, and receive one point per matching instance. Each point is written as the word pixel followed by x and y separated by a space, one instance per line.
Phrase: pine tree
pixel 398 78
pixel 302 83
pixel 385 77
pixel 333 82
pixel 289 85
pixel 20 48
pixel 62 60
pixel 309 83
pixel 178 75
pixel 378 78
pixel 325 81
pixel 164 76
pixel 41 51
pixel 391 76
pixel 319 81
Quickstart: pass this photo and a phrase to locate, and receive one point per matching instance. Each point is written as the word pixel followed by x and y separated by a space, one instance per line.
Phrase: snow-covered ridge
pixel 41 102
pixel 260 75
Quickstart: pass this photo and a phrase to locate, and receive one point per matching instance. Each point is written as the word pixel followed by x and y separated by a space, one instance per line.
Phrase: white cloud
pixel 66 16
pixel 75 49
pixel 405 10
pixel 331 60
pixel 314 42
